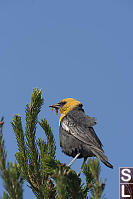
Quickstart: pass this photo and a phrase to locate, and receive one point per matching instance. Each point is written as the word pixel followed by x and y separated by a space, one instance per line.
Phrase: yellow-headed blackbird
pixel 77 136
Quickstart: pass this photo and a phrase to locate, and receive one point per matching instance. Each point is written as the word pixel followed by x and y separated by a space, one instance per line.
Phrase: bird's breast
pixel 72 146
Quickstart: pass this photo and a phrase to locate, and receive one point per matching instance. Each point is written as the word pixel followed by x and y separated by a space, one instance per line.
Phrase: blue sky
pixel 79 49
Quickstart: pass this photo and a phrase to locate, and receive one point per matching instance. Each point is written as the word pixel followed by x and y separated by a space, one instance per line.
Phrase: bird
pixel 77 135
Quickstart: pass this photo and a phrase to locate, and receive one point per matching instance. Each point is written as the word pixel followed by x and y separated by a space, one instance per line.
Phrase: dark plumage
pixel 77 135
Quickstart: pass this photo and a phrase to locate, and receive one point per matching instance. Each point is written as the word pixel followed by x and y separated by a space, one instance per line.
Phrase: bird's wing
pixel 86 135
pixel 79 116
pixel 91 120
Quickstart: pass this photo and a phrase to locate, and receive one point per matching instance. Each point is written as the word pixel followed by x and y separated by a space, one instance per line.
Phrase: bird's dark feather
pixel 78 136
pixel 78 115
pixel 72 146
pixel 82 123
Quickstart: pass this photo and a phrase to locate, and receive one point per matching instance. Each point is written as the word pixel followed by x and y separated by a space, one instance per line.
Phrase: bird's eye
pixel 62 103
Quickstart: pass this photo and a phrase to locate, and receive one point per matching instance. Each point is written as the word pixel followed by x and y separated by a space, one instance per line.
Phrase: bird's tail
pixel 100 154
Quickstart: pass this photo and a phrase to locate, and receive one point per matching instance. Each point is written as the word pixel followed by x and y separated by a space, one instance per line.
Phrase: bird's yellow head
pixel 65 105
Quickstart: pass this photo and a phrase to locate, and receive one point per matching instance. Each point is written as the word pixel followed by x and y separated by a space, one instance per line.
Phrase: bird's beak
pixel 56 106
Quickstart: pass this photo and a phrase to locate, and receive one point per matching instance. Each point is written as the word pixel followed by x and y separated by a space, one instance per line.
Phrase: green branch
pixel 94 184
pixel 50 138
pixel 37 164
pixel 9 172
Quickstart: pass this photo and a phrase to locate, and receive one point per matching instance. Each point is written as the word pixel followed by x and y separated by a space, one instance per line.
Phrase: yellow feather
pixel 70 105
